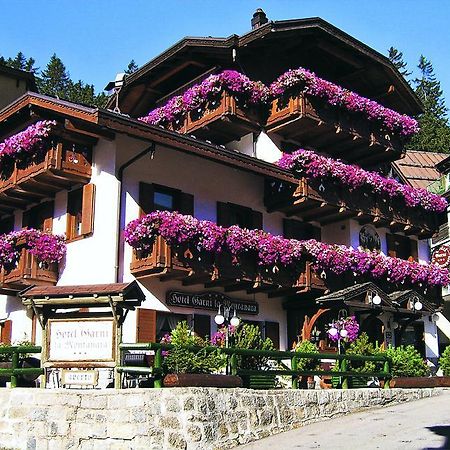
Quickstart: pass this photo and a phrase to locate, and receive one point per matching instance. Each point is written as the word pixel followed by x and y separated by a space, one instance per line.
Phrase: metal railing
pixel 15 371
pixel 342 369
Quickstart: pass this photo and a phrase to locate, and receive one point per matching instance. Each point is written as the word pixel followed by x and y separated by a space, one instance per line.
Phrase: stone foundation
pixel 177 418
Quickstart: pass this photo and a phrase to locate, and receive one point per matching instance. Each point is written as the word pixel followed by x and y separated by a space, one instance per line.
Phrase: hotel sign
pixel 210 301
pixel 81 340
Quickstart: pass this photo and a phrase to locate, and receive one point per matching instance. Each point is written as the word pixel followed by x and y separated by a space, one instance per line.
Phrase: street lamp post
pixel 226 315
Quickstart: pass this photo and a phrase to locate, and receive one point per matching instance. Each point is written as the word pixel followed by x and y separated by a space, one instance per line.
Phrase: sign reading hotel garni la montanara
pixel 81 340
pixel 211 301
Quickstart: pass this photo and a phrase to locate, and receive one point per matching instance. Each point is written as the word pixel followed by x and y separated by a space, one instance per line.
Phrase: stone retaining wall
pixel 178 418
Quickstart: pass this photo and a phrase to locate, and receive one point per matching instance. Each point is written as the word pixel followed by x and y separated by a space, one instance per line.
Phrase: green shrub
pixel 307 363
pixel 249 337
pixel 407 362
pixel 181 360
pixel 444 361
pixel 363 347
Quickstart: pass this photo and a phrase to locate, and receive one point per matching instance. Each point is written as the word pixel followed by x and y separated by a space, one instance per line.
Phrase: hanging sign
pixel 210 301
pixel 441 256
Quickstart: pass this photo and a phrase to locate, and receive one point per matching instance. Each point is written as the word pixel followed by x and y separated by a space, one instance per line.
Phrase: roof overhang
pixel 122 295
pixel 266 52
pixel 94 123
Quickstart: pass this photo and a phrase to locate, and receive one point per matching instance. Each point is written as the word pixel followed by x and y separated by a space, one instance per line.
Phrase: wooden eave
pixel 94 123
pixel 124 295
pixel 314 35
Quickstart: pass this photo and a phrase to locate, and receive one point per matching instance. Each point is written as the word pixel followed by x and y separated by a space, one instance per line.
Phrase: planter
pixel 201 380
pixel 420 382
pixel 259 381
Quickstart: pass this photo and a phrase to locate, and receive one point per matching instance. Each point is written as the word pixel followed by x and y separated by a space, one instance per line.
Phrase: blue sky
pixel 97 38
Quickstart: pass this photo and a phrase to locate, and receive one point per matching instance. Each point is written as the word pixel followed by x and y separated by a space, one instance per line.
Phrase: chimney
pixel 259 18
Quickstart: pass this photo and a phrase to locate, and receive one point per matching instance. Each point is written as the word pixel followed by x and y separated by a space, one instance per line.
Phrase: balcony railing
pixel 313 202
pixel 29 271
pixel 221 270
pixel 63 165
pixel 221 122
pixel 312 122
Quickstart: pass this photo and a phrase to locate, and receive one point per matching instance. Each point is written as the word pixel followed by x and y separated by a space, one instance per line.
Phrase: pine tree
pixel 132 67
pixel 434 132
pixel 20 62
pixel 55 80
pixel 396 58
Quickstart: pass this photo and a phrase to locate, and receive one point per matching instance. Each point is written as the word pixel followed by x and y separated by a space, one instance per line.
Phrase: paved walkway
pixel 417 425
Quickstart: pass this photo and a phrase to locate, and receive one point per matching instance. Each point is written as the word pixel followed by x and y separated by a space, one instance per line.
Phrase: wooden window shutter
pixel 202 325
pixel 257 220
pixel 146 325
pixel 26 219
pixel 6 332
pixel 414 251
pixel 87 214
pixel 317 233
pixel 223 214
pixel 289 227
pixel 48 211
pixel 391 247
pixel 146 196
pixel 186 204
pixel 272 331
pixel 293 229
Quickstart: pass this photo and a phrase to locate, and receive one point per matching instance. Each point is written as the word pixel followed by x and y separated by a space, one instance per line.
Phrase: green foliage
pixel 396 58
pixel 249 337
pixel 307 363
pixel 444 361
pixel 181 360
pixel 434 132
pixel 19 62
pixel 406 362
pixel 363 347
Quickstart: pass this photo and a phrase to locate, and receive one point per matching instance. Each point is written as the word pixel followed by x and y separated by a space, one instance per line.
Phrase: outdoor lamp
pixel 394 325
pixel 219 319
pixel 417 305
pixel 376 300
pixel 333 331
pixel 234 321
pixel 343 333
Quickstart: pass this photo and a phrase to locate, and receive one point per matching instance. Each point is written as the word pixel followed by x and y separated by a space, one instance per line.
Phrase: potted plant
pixel 186 366
pixel 307 364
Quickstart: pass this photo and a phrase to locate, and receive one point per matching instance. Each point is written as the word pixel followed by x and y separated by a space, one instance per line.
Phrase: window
pixel 401 247
pixel 39 217
pixel 6 224
pixel 154 197
pixel 231 214
pixel 294 229
pixel 269 330
pixel 166 322
pixel 80 212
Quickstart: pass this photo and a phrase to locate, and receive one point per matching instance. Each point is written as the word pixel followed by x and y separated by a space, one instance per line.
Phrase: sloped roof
pixel 418 168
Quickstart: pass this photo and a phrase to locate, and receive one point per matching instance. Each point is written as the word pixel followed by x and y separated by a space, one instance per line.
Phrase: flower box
pixel 420 382
pixel 29 271
pixel 202 380
pixel 223 120
pixel 315 123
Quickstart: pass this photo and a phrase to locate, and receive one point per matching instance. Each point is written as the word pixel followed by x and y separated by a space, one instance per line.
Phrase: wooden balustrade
pixel 312 122
pixel 221 122
pixel 316 202
pixel 62 165
pixel 220 270
pixel 29 271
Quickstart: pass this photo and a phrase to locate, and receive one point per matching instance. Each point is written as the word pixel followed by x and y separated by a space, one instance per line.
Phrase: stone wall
pixel 178 418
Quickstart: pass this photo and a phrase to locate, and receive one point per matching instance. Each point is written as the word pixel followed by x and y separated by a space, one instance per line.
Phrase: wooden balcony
pixel 222 122
pixel 313 202
pixel 312 123
pixel 168 263
pixel 61 166
pixel 29 271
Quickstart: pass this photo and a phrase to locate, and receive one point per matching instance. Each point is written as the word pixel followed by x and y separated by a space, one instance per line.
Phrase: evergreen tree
pixel 434 132
pixel 396 58
pixel 55 79
pixel 19 62
pixel 132 67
